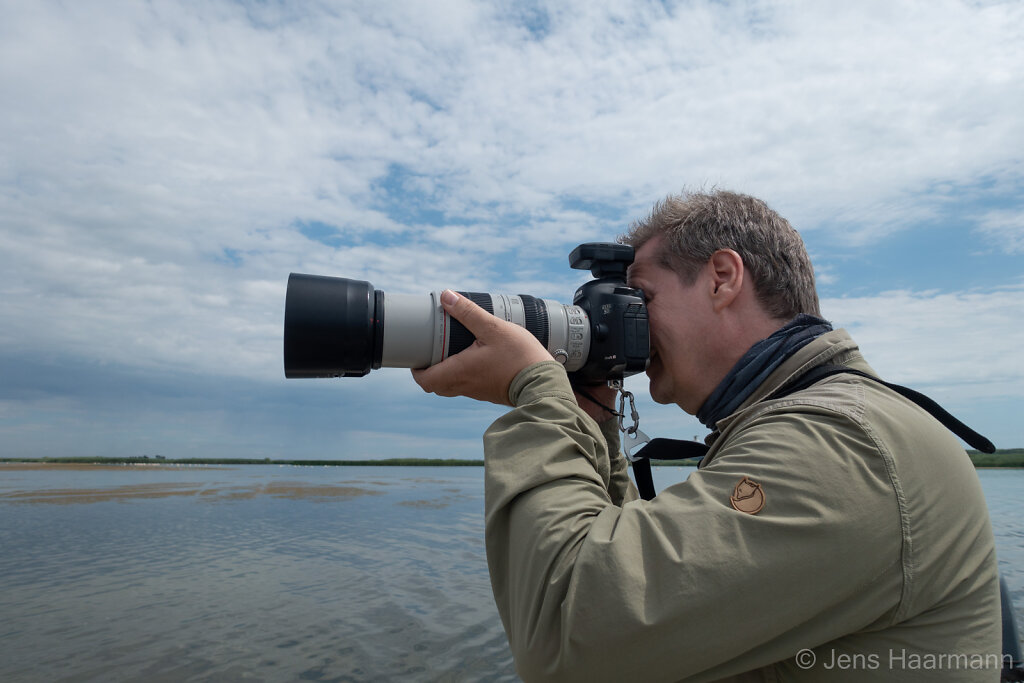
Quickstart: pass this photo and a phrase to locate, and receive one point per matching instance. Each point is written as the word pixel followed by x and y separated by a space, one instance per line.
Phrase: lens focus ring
pixel 535 314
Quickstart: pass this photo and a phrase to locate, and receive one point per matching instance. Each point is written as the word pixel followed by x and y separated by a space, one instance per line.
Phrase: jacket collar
pixel 832 347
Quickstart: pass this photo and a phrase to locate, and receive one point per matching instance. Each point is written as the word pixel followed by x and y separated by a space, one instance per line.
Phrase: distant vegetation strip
pixel 1008 457
pixel 157 460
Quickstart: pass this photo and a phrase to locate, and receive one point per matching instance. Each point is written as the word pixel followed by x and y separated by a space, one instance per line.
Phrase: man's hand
pixel 485 370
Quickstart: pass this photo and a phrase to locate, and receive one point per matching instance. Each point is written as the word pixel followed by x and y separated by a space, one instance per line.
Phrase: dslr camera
pixel 336 327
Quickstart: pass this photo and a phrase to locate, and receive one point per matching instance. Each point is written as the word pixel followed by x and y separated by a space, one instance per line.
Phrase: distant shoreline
pixel 158 460
pixel 1003 458
pixel 1012 458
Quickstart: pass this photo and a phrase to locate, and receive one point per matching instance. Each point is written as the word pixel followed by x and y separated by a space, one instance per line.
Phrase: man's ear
pixel 727 274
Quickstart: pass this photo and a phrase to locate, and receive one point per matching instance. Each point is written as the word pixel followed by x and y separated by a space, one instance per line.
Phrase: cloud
pixel 161 164
pixel 1005 227
pixel 836 112
pixel 963 343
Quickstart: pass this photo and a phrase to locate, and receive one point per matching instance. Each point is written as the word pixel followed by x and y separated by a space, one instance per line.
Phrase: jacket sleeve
pixel 684 586
pixel 620 486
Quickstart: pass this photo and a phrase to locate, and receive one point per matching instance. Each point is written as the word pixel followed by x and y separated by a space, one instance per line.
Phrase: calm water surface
pixel 266 573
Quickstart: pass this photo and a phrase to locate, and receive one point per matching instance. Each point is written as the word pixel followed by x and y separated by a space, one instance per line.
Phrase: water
pixel 265 573
pixel 253 572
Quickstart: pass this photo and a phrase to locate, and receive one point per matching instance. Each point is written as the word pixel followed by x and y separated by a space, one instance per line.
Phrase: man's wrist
pixel 540 380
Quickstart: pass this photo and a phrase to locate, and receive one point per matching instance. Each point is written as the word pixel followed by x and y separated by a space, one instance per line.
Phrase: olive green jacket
pixel 839 533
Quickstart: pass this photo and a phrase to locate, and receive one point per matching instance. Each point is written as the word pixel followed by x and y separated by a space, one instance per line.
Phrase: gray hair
pixel 696 225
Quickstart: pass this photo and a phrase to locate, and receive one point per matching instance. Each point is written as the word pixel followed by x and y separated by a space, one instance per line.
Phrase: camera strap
pixel 677 449
pixel 636 445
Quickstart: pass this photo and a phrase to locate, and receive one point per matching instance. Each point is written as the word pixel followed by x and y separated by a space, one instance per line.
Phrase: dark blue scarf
pixel 755 366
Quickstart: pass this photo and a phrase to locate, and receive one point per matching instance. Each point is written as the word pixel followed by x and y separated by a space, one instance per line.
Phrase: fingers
pixel 447 382
pixel 472 372
pixel 439 379
pixel 487 367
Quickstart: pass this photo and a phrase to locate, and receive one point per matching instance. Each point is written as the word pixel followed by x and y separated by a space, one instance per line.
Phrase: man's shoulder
pixel 841 415
pixel 833 410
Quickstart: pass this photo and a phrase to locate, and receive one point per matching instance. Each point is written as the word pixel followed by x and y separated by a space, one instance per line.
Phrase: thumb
pixel 475 319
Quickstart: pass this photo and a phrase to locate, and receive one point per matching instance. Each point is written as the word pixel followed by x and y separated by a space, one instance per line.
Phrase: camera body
pixel 336 327
pixel 619 336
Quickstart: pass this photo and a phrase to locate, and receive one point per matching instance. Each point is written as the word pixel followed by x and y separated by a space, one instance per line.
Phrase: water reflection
pixel 266 575
pixel 273 573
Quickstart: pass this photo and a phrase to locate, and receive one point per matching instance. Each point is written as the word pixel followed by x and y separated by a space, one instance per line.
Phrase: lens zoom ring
pixel 535 314
pixel 459 337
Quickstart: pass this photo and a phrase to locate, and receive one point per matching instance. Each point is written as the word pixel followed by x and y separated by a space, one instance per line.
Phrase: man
pixel 836 533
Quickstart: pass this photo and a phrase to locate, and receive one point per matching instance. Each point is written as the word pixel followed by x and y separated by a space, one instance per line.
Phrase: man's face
pixel 680 325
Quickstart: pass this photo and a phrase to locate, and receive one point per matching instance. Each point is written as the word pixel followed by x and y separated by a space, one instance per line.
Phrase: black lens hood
pixel 331 328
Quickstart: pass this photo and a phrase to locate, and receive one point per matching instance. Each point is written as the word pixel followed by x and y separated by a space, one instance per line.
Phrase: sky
pixel 165 165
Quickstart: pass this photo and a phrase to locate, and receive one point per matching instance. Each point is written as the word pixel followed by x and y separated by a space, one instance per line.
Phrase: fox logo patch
pixel 748 496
